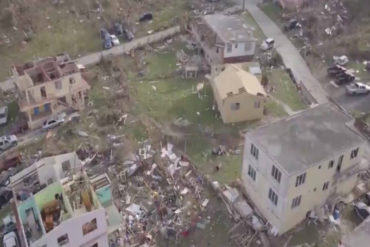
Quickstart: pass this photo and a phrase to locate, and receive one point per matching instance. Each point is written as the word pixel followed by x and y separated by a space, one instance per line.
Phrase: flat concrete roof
pixel 229 28
pixel 308 137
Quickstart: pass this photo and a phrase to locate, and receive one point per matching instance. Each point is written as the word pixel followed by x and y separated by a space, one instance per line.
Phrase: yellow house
pixel 48 87
pixel 239 94
pixel 298 164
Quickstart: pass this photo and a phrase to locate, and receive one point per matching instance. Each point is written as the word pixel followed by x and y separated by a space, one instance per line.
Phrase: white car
pixel 53 122
pixel 267 44
pixel 10 240
pixel 3 115
pixel 7 142
pixel 357 88
pixel 115 40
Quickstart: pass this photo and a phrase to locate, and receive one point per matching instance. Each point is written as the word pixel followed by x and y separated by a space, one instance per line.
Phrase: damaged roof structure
pixel 58 204
pixel 49 86
pixel 224 39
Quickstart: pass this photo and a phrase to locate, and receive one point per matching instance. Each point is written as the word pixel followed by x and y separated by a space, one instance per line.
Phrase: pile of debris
pixel 159 194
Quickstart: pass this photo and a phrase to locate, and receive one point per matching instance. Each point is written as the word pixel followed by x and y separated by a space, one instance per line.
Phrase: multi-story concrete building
pixel 58 205
pixel 224 39
pixel 48 87
pixel 297 164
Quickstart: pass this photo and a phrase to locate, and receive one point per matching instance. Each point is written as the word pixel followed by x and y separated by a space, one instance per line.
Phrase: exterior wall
pixel 240 50
pixel 73 227
pixel 283 216
pixel 247 110
pixel 258 190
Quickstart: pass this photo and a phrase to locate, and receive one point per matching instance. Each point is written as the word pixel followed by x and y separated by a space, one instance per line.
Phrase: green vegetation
pixel 251 22
pixel 275 109
pixel 284 89
pixel 13 114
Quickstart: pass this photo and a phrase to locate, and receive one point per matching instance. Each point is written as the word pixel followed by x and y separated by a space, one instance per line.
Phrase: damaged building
pixel 239 94
pixel 223 39
pixel 295 166
pixel 48 87
pixel 58 205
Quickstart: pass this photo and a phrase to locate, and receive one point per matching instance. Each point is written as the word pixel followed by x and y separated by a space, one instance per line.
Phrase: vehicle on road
pixel 10 240
pixel 3 115
pixel 53 122
pixel 7 142
pixel 267 44
pixel 357 88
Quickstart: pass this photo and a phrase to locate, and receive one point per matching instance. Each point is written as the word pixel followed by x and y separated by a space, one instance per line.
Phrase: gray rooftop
pixel 229 28
pixel 306 138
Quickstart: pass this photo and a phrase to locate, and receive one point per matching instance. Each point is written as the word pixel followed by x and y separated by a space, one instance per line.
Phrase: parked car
pixel 336 70
pixel 267 44
pixel 7 142
pixel 3 115
pixel 357 88
pixel 115 40
pixel 344 78
pixel 10 240
pixel 53 122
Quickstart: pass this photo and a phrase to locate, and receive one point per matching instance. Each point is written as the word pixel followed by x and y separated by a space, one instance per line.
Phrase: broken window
pixel 89 226
pixel 296 201
pixel 276 173
pixel 235 106
pixel 325 186
pixel 254 151
pixel 252 172
pixel 229 47
pixel 354 153
pixel 273 197
pixel 66 166
pixel 63 240
pixel 58 85
pixel 43 92
pixel 300 179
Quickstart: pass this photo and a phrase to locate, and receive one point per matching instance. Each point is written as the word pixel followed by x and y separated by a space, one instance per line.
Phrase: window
pixel 235 106
pixel 276 173
pixel 72 80
pixel 273 197
pixel 254 151
pixel 63 240
pixel 354 153
pixel 339 164
pixel 257 104
pixel 300 179
pixel 43 92
pixel 58 84
pixel 229 47
pixel 252 172
pixel 236 45
pixel 296 202
pixel 247 46
pixel 331 164
pixel 319 167
pixel 325 186
pixel 89 226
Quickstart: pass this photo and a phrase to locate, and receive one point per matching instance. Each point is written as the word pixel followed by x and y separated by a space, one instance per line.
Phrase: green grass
pixel 275 109
pixel 13 114
pixel 284 89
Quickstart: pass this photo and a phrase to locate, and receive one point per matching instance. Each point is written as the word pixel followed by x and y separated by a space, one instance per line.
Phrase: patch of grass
pixel 162 65
pixel 272 10
pixel 284 89
pixel 275 109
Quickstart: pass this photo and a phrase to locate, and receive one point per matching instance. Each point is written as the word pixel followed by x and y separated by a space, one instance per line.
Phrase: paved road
pixel 290 55
pixel 94 58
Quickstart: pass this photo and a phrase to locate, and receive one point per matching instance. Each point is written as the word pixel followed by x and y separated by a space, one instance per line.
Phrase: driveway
pixel 290 55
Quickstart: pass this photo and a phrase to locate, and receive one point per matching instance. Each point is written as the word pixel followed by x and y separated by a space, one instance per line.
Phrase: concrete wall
pixel 283 216
pixel 73 228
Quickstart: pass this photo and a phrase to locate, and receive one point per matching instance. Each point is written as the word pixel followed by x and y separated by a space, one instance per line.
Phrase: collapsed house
pixel 48 87
pixel 57 204
pixel 239 94
pixel 223 39
pixel 293 167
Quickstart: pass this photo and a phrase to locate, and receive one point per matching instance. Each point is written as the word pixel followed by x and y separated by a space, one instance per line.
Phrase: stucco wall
pixel 240 49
